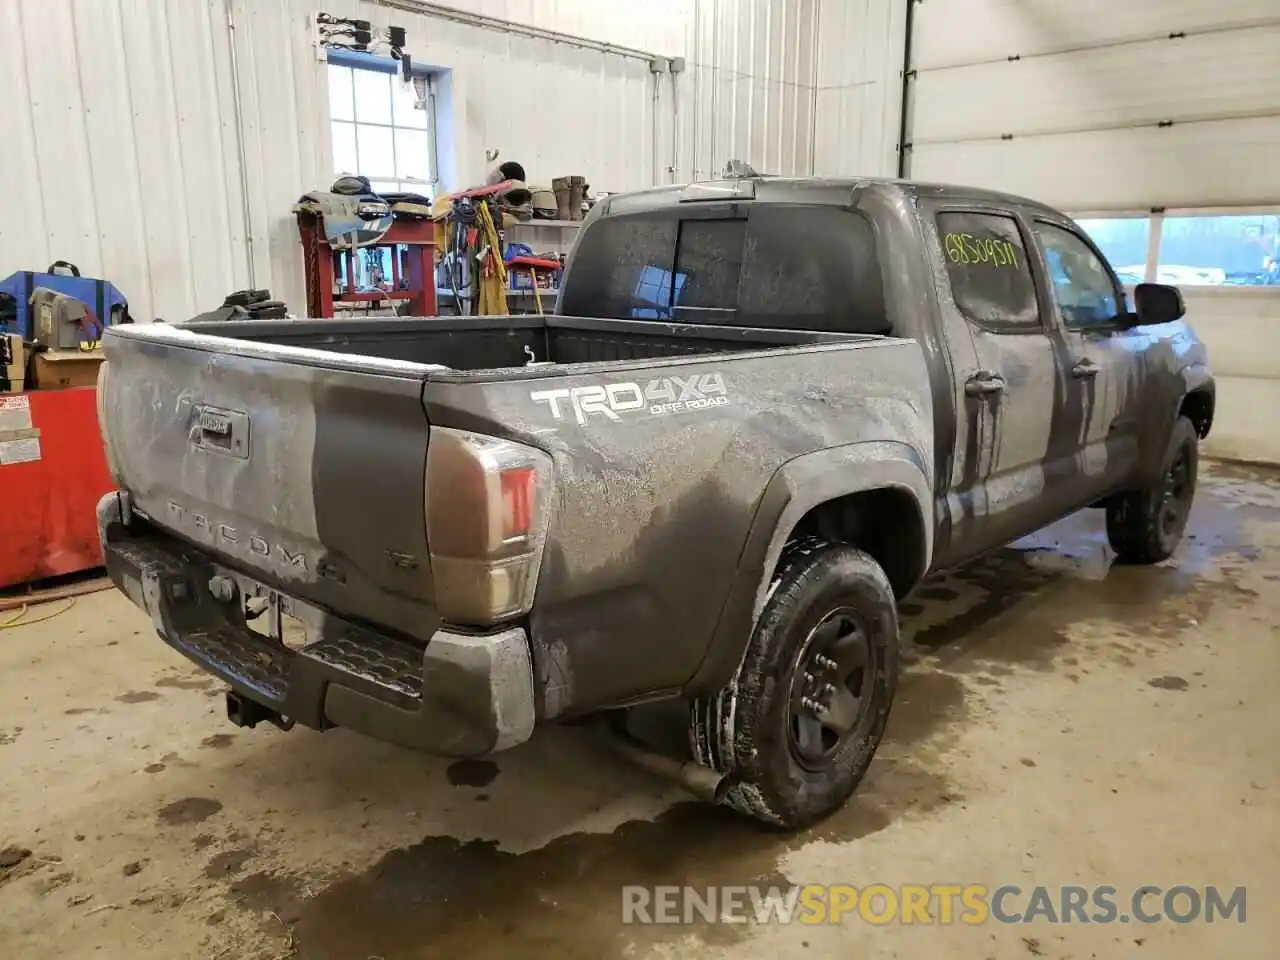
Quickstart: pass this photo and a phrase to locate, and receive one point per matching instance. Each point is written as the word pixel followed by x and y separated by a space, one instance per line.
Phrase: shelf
pixel 446 292
pixel 372 296
pixel 544 223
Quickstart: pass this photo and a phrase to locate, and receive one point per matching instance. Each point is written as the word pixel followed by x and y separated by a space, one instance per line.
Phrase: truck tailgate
pixel 302 468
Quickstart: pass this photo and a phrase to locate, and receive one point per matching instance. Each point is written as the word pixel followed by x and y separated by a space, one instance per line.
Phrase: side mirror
pixel 1158 303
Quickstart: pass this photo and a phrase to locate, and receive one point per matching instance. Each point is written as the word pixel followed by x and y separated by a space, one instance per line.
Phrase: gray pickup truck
pixel 763 411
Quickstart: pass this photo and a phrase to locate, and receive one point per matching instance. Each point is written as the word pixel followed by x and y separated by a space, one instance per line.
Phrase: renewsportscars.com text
pixel 926 904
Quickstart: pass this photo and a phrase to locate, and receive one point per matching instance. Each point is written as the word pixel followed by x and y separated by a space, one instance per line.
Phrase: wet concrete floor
pixel 1062 721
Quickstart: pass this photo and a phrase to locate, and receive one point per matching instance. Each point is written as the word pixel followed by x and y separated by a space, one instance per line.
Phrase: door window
pixel 1082 285
pixel 987 265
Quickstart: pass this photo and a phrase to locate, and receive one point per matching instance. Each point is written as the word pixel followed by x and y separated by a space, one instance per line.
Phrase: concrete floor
pixel 1064 722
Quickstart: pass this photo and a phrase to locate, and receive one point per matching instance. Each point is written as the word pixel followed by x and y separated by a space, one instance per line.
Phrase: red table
pixel 416 267
pixel 53 471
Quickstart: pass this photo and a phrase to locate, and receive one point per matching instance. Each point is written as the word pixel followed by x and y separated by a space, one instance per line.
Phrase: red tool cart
pixel 53 471
pixel 540 270
pixel 413 278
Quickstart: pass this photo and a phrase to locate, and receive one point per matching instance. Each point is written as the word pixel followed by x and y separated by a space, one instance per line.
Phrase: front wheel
pixel 1146 526
pixel 797 728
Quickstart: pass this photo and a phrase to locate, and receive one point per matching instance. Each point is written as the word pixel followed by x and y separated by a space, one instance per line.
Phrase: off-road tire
pixel 1137 527
pixel 743 731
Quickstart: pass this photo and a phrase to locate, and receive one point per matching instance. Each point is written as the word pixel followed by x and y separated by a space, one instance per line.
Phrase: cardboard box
pixel 13 362
pixel 58 369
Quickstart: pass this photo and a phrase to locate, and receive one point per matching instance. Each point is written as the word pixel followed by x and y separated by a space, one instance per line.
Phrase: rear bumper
pixel 464 695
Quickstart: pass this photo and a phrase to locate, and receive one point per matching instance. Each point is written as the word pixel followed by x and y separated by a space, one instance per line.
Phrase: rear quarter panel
pixel 653 506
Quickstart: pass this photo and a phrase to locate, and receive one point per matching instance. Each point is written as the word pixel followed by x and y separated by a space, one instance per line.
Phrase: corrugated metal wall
pixel 859 89
pixel 751 87
pixel 125 136
pixel 120 147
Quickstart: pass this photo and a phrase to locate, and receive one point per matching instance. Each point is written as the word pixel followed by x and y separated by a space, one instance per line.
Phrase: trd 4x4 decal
pixel 658 398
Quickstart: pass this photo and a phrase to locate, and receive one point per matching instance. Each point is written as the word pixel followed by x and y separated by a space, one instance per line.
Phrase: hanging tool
pixel 459 242
pixel 493 272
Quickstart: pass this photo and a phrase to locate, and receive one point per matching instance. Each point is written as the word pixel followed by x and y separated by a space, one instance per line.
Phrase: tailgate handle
pixel 218 424
pixel 221 431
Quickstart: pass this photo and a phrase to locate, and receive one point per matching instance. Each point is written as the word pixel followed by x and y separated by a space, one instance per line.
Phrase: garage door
pixel 1156 123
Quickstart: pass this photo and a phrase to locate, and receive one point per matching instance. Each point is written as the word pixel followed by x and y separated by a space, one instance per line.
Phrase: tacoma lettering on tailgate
pixel 659 397
pixel 228 537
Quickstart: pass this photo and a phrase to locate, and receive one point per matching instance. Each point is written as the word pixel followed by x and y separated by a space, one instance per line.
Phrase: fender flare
pixel 797 487
pixel 1196 378
pixel 1192 378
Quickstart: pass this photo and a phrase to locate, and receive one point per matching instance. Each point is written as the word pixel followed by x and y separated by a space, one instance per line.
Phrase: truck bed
pixel 485 343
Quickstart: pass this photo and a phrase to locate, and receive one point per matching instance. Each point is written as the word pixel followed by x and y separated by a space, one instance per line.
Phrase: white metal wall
pixel 1097 105
pixel 120 151
pixel 859 87
pixel 124 138
pixel 749 95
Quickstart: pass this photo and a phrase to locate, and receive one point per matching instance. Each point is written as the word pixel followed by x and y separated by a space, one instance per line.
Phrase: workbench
pixel 413 246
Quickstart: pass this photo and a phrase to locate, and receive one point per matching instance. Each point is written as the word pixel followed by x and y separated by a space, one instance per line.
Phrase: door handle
pixel 983 384
pixel 1086 369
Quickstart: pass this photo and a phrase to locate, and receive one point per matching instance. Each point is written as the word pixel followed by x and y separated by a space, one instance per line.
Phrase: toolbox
pixel 60 321
pixel 107 304
pixel 53 471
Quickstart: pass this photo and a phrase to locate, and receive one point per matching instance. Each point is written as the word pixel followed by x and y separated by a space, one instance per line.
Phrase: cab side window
pixel 1082 285
pixel 990 277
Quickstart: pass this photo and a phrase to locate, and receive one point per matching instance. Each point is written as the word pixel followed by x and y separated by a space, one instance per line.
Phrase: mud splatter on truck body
pixel 672 443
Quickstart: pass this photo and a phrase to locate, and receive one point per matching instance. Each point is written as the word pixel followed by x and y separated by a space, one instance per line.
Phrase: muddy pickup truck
pixel 763 410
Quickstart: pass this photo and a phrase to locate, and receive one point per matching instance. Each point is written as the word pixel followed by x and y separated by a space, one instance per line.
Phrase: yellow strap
pixel 495 245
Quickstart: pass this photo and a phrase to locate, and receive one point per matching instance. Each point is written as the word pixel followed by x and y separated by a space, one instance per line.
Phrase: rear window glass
pixel 789 267
pixel 708 264
pixel 812 268
pixel 987 265
pixel 622 268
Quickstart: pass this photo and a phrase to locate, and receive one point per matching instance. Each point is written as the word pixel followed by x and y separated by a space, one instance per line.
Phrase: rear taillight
pixel 101 400
pixel 487 506
pixel 519 500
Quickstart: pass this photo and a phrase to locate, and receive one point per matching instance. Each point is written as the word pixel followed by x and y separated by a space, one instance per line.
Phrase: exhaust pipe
pixel 701 781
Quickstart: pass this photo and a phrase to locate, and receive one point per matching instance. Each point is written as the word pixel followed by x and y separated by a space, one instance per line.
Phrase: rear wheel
pixel 797 728
pixel 1146 526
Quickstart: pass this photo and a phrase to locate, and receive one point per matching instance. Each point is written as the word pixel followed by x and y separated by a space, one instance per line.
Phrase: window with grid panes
pixel 380 131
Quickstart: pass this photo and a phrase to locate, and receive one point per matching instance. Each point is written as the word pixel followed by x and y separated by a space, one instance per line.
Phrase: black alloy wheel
pixel 831 689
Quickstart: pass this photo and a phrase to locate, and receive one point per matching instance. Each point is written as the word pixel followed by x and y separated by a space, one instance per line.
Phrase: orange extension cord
pixel 22 604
